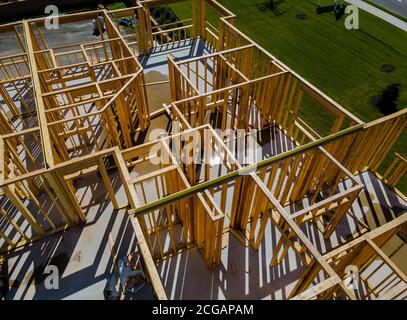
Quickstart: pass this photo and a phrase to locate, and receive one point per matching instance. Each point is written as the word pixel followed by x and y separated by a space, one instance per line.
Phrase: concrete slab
pixel 157 59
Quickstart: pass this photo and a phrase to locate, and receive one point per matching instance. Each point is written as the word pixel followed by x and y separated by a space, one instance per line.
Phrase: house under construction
pixel 81 187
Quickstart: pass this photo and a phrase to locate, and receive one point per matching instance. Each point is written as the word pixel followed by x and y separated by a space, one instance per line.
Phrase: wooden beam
pixel 318 289
pixel 45 136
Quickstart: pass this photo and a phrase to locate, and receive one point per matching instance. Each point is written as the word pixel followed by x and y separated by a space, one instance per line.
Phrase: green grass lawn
pixel 345 64
pixel 116 6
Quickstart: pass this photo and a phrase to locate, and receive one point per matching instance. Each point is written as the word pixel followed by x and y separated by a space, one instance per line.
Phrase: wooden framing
pixel 244 75
pixel 66 96
pixel 78 109
pixel 199 218
pixel 367 256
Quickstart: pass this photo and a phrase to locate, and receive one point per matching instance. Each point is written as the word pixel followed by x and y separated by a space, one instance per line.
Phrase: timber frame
pixel 81 108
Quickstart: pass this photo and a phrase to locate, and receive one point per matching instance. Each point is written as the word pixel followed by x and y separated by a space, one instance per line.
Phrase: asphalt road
pixel 397 6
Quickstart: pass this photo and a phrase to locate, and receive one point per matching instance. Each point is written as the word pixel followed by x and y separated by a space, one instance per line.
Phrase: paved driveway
pixel 397 6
